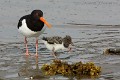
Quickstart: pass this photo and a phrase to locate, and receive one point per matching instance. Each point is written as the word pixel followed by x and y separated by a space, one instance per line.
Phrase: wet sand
pixel 93 26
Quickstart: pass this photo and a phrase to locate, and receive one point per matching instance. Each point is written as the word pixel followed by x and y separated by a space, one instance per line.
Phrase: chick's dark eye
pixel 66 45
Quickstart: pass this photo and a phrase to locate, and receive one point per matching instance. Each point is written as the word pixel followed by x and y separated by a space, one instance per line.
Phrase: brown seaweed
pixel 77 69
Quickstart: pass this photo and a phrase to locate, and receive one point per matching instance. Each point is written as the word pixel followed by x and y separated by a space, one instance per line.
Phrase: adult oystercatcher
pixel 32 25
pixel 56 43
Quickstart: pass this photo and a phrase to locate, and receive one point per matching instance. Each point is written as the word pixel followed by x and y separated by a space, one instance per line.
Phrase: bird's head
pixel 68 42
pixel 38 15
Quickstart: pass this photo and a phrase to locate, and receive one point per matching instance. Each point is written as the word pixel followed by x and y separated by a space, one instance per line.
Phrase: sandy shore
pixel 93 26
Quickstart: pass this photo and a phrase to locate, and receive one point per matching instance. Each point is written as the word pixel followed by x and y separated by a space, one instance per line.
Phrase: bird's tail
pixel 44 38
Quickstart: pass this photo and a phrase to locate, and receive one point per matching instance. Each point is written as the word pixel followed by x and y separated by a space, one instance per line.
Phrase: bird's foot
pixel 36 55
pixel 57 58
pixel 27 54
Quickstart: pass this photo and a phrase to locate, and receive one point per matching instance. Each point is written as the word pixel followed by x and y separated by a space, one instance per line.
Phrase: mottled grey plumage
pixel 67 41
pixel 52 40
pixel 59 40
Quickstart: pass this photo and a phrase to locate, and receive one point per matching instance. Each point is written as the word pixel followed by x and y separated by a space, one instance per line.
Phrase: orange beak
pixel 43 20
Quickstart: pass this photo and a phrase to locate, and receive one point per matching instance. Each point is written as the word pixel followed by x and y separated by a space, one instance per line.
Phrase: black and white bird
pixel 32 25
pixel 56 43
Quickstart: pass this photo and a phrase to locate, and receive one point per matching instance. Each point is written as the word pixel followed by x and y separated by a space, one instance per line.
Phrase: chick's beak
pixel 72 44
pixel 43 20
pixel 70 48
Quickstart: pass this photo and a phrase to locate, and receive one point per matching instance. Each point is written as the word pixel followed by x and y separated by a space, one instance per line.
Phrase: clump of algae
pixel 77 69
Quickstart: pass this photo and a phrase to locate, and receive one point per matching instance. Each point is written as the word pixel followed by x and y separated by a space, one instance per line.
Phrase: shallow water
pixel 89 42
pixel 63 11
pixel 93 25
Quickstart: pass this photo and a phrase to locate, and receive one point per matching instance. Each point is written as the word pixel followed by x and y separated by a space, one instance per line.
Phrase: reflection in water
pixel 28 70
pixel 89 45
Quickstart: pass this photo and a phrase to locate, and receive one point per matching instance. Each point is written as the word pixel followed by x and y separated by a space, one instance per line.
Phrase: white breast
pixel 55 46
pixel 27 32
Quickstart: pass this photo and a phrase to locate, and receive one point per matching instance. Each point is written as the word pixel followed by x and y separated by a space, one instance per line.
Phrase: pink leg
pixel 37 66
pixel 27 53
pixel 36 47
pixel 53 53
